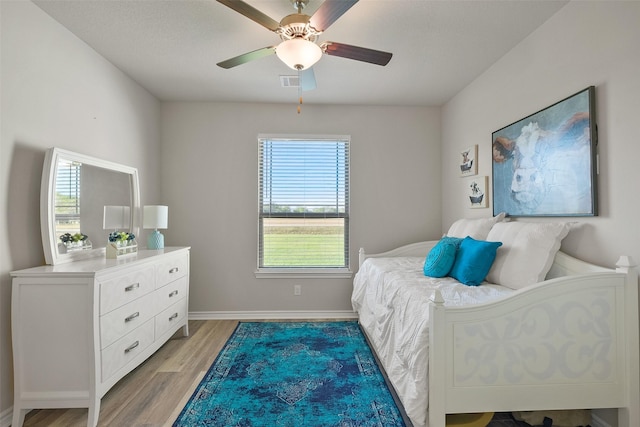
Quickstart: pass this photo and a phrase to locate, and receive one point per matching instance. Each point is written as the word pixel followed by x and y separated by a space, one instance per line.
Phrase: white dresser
pixel 79 327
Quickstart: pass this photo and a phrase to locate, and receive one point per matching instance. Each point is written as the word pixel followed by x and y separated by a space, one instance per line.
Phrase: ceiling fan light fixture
pixel 298 53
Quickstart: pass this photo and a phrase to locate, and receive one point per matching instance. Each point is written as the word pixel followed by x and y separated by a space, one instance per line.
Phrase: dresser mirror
pixel 75 191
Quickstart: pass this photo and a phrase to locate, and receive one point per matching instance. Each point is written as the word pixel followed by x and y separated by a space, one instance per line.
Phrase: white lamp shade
pixel 155 217
pixel 116 217
pixel 299 53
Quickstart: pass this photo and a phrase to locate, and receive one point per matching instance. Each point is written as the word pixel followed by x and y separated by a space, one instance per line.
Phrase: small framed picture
pixel 477 192
pixel 468 162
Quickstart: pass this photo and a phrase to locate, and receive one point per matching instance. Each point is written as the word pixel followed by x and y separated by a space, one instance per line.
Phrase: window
pixel 303 204
pixel 67 198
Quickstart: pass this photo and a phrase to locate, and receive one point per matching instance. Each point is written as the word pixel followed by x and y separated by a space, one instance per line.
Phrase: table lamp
pixel 116 218
pixel 155 217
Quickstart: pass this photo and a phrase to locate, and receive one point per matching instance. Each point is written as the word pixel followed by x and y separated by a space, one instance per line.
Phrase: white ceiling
pixel 171 47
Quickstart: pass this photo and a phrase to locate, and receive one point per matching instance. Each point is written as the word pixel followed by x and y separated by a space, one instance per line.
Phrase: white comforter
pixel 391 296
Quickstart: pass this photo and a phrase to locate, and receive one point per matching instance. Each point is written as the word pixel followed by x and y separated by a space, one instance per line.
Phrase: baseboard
pixel 596 421
pixel 6 417
pixel 272 315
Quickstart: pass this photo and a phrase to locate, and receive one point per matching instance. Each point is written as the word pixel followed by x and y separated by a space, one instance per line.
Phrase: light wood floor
pixel 155 392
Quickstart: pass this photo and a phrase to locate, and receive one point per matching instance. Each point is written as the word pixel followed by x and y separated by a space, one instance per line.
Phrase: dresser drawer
pixel 120 290
pixel 121 352
pixel 171 293
pixel 171 269
pixel 122 320
pixel 171 316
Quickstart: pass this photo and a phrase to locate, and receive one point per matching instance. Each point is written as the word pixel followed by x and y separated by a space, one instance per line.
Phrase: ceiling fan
pixel 299 33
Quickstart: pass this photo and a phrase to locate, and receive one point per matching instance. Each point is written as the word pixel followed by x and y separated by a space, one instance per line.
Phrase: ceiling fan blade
pixel 329 12
pixel 372 56
pixel 307 79
pixel 246 57
pixel 251 13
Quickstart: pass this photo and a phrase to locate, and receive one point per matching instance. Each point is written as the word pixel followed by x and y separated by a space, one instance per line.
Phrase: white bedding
pixel 391 296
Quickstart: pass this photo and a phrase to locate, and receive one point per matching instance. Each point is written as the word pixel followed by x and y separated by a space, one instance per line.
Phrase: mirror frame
pixel 47 202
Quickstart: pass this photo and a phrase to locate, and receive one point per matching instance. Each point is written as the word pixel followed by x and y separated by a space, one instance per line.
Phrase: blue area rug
pixel 293 374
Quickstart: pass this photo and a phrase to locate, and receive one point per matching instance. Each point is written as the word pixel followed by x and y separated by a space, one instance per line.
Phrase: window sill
pixel 303 273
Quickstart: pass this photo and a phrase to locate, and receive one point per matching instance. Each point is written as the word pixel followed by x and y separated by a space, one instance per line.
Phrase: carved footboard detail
pixel 559 344
pixel 559 341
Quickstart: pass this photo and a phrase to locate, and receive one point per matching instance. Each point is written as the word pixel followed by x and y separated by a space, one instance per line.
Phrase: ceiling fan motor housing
pixel 297 25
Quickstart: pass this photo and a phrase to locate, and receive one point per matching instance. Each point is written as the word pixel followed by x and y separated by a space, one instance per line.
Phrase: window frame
pixel 304 272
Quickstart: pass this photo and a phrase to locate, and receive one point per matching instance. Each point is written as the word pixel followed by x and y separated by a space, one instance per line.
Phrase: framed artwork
pixel 477 192
pixel 468 162
pixel 545 164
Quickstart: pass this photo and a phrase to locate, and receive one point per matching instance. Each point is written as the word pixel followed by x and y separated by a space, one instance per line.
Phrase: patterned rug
pixel 293 374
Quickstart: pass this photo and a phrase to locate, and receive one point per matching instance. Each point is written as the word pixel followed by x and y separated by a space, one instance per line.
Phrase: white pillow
pixel 527 251
pixel 475 228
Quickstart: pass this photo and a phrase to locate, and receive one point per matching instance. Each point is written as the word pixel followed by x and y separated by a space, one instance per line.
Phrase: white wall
pixel 209 180
pixel 585 43
pixel 56 91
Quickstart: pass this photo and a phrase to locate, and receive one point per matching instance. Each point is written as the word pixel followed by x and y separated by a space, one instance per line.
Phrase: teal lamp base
pixel 155 240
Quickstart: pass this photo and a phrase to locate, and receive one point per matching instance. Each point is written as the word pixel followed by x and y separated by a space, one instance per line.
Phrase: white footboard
pixel 566 343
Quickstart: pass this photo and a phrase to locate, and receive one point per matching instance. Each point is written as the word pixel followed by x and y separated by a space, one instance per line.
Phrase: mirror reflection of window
pixel 67 200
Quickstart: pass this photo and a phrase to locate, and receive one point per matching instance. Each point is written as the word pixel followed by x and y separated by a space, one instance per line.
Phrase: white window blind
pixel 303 202
pixel 67 198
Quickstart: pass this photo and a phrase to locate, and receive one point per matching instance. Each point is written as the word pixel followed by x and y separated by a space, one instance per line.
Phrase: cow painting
pixel 542 169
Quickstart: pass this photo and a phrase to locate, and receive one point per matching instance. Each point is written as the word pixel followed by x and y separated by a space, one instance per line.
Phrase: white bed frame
pixel 581 345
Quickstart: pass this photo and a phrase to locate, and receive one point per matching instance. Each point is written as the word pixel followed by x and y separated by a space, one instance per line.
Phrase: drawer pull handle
pixel 173 316
pixel 173 294
pixel 131 347
pixel 132 287
pixel 173 270
pixel 133 316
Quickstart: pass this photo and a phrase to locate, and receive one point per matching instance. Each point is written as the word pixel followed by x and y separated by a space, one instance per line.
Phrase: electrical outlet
pixel 297 289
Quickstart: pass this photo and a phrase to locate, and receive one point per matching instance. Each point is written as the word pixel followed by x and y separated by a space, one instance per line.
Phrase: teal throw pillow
pixel 473 261
pixel 441 257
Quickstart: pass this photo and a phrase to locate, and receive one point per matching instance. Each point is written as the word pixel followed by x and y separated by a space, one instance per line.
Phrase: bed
pixel 563 337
